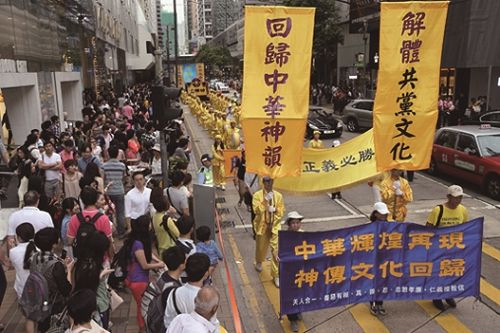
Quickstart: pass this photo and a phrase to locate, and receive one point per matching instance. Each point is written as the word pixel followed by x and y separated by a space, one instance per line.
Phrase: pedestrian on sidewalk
pixel 451 213
pixel 81 306
pixel 181 300
pixel 218 163
pixel 209 247
pixel 140 261
pixel 269 207
pixel 20 257
pixel 137 200
pixel 379 213
pixel 114 173
pixel 51 163
pixel 164 228
pixel 176 196
pixel 203 319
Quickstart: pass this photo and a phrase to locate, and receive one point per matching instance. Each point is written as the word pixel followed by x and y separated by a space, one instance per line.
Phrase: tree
pixel 214 56
pixel 327 34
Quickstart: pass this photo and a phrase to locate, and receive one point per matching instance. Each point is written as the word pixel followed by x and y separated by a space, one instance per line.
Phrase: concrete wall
pixel 22 101
pixel 479 85
pixel 68 95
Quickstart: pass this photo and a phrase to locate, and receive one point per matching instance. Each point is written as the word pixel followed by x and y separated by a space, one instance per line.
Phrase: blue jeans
pixel 119 201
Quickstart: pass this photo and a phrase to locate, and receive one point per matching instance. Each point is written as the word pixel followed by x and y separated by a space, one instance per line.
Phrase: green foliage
pixel 327 32
pixel 214 56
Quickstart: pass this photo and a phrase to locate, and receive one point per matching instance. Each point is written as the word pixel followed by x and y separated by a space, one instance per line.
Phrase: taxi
pixel 471 153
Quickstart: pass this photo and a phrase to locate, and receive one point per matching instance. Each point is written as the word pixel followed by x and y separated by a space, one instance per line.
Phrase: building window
pixel 137 47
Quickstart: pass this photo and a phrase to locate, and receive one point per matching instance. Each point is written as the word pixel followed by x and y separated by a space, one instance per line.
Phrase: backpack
pixel 186 248
pixel 34 300
pixel 120 266
pixel 86 228
pixel 152 306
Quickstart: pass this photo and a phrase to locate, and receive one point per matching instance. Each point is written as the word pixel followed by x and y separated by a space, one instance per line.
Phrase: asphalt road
pixel 258 299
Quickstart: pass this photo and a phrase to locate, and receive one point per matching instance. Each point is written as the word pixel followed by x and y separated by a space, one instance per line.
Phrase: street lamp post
pixel 365 39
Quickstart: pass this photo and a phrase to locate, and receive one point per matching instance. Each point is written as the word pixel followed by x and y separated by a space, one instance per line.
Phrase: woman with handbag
pixel 140 260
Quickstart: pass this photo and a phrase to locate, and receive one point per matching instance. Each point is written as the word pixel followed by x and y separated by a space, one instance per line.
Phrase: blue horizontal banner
pixel 378 261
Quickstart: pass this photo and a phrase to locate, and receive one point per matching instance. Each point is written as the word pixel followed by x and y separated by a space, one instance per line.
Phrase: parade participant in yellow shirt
pixel 233 140
pixel 218 163
pixel 451 213
pixel 396 193
pixel 268 207
pixel 316 143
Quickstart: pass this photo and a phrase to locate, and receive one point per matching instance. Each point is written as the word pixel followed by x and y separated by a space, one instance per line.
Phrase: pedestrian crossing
pixel 444 320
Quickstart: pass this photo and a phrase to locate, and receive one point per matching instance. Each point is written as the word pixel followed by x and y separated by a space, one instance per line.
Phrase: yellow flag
pixel 351 163
pixel 278 43
pixel 406 111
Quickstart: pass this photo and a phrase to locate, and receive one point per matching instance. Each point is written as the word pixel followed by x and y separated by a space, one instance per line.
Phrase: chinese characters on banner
pixel 406 111
pixel 346 165
pixel 378 261
pixel 278 43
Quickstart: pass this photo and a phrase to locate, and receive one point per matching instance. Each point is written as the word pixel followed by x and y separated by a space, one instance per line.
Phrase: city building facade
pixel 51 51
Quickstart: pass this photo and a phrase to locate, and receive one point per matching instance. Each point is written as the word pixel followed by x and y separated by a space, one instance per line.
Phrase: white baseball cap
pixel 293 215
pixel 455 191
pixel 381 208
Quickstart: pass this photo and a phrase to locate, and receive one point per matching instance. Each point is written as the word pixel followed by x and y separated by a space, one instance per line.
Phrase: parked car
pixel 471 153
pixel 320 120
pixel 492 118
pixel 358 114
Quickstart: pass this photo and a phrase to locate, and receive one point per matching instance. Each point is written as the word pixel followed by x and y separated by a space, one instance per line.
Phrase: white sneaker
pixel 258 267
pixel 277 282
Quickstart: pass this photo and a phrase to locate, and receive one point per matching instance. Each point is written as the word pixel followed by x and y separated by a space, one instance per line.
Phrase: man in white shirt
pixel 202 319
pixel 181 300
pixel 51 162
pixel 137 199
pixel 30 214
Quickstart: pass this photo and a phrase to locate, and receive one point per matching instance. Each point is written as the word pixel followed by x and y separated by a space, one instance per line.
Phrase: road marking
pixel 447 321
pixel 366 320
pixel 274 297
pixel 247 286
pixel 491 251
pixel 343 205
pixel 490 291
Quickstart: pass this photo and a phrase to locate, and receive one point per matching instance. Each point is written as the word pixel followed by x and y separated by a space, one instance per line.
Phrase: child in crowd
pixel 209 247
pixel 70 207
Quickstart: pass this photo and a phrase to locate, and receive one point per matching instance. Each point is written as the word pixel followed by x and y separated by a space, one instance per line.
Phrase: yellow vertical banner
pixel 277 53
pixel 200 71
pixel 406 111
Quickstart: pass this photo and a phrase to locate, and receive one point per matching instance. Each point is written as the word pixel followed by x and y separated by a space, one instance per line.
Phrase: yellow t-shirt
pixel 450 217
pixel 164 239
